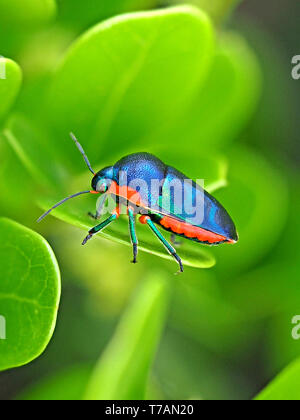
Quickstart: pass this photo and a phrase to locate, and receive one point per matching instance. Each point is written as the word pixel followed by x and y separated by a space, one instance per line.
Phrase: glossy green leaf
pixel 10 82
pixel 16 12
pixel 229 97
pixel 255 190
pixel 225 103
pixel 286 387
pixel 29 294
pixel 34 152
pixel 218 9
pixel 122 372
pixel 117 83
pixel 76 13
pixel 14 205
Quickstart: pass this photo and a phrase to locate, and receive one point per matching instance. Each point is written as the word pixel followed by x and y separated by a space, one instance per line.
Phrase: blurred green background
pixel 214 97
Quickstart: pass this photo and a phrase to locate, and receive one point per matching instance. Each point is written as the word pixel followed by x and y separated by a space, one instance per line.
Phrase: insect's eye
pixel 102 186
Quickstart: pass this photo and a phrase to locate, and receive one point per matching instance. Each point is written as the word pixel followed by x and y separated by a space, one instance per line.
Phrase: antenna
pixel 80 148
pixel 62 202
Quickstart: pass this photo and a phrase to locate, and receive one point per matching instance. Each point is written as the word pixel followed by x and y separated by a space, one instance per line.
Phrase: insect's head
pixel 102 180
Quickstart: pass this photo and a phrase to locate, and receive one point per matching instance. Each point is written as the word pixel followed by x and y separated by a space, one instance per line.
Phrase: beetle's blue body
pixel 144 166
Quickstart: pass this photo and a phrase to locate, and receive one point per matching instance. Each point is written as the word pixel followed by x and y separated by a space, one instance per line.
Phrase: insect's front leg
pixel 102 225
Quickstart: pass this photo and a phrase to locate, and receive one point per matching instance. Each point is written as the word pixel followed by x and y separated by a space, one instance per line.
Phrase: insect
pixel 161 196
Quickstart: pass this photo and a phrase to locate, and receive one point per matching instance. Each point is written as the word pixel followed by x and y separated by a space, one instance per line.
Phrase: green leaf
pixel 254 190
pixel 218 9
pixel 29 294
pixel 286 387
pixel 117 84
pixel 122 372
pixel 75 12
pixel 17 206
pixel 225 103
pixel 29 12
pixel 10 82
pixel 34 152
pixel 69 385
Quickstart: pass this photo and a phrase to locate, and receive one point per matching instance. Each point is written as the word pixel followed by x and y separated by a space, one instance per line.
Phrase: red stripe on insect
pixel 127 193
pixel 190 231
pixel 144 219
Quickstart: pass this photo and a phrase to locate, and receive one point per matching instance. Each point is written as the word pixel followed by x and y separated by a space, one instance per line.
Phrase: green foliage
pixel 285 387
pixel 114 85
pixel 260 188
pixel 230 93
pixel 78 14
pixel 218 9
pixel 13 173
pixel 28 12
pixel 233 88
pixel 68 385
pixel 41 166
pixel 29 294
pixel 123 369
pixel 10 81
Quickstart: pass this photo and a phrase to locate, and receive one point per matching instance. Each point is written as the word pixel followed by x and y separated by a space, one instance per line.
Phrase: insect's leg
pixel 99 208
pixel 102 226
pixel 168 246
pixel 133 236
